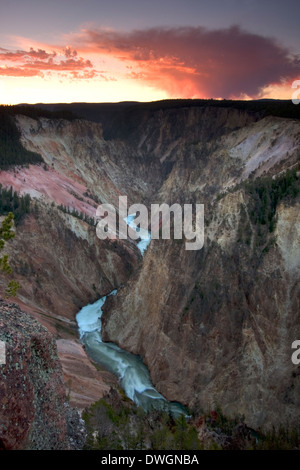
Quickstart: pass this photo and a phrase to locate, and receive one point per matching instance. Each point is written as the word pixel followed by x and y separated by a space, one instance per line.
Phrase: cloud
pixel 20 72
pixel 181 62
pixel 37 62
pixel 195 61
pixel 69 52
pixel 25 55
pixel 68 64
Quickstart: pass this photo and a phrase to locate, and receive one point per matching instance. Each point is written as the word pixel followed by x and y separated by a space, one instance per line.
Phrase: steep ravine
pixel 214 326
pixel 61 265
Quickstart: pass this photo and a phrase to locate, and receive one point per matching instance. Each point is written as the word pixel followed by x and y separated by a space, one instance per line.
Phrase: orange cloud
pixel 24 55
pixel 68 64
pixel 34 62
pixel 183 62
pixel 20 72
pixel 196 62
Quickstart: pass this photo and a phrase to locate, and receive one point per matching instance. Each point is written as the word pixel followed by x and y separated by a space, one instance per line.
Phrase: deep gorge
pixel 213 326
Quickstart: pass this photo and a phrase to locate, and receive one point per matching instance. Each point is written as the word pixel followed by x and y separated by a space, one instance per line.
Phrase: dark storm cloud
pixel 194 61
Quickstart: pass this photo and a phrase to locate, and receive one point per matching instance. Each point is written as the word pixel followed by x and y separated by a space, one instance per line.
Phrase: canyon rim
pixel 214 326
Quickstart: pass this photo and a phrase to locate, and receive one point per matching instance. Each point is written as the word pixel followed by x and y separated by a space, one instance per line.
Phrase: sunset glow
pixel 98 63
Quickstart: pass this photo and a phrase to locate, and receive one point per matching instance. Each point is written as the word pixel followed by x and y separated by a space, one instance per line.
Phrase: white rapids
pixel 129 368
pixel 144 235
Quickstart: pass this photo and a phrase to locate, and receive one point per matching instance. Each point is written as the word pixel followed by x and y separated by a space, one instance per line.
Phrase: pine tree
pixel 6 233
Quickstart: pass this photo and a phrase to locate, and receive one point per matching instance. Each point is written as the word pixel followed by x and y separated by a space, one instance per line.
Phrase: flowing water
pixel 129 368
pixel 145 235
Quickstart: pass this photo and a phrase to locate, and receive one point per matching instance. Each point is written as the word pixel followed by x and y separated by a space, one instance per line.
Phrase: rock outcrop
pixel 34 412
pixel 83 382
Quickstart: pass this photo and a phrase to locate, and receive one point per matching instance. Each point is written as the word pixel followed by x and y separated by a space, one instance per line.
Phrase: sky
pixel 137 50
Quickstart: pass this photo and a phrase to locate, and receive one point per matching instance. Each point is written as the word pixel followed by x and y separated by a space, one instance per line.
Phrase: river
pixel 129 368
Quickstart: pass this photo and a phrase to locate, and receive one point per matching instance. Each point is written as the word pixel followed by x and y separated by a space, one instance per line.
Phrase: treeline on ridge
pixel 79 215
pixel 11 201
pixel 12 151
pixel 36 111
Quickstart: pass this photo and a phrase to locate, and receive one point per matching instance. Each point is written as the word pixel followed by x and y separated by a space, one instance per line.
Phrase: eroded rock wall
pixel 34 413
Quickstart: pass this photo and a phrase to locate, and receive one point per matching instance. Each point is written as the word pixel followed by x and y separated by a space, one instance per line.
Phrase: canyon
pixel 213 326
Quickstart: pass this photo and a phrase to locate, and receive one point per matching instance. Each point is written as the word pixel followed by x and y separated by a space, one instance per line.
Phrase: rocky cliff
pixel 214 326
pixel 34 412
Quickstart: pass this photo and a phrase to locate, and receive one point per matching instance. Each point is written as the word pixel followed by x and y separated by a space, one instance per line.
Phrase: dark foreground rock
pixel 34 412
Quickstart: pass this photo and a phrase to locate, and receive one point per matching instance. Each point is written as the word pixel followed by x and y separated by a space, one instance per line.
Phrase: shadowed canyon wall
pixel 214 326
